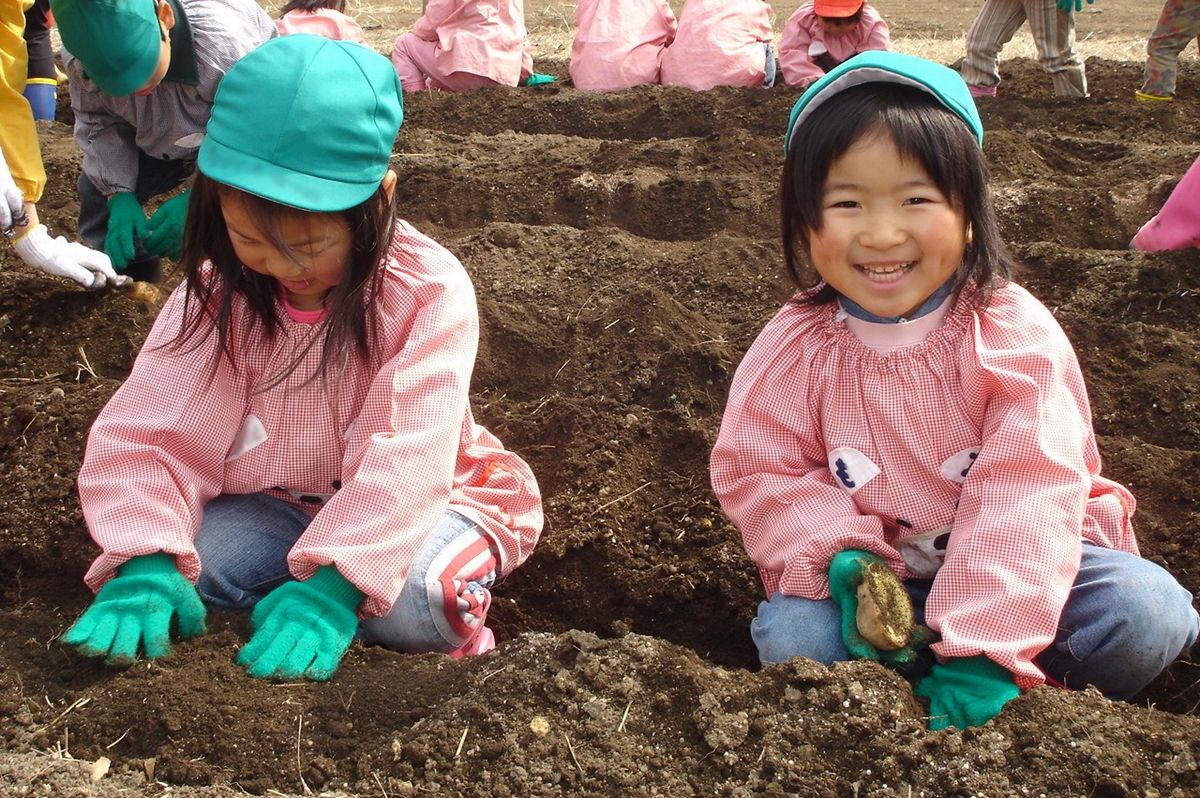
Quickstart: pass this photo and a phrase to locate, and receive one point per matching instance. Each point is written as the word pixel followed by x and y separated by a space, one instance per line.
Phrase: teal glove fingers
pixel 302 629
pixel 845 573
pixel 126 226
pixel 966 692
pixel 915 659
pixel 166 228
pixel 537 79
pixel 93 633
pixel 134 609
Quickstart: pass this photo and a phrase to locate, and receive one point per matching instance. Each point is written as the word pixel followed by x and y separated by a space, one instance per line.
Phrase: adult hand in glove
pixel 964 692
pixel 166 228
pixel 1067 6
pixel 12 201
pixel 302 629
pixel 134 609
pixel 126 227
pixel 63 258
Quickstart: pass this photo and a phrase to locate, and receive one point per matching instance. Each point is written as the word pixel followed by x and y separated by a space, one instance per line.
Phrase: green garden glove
pixel 126 226
pixel 966 692
pixel 166 228
pixel 537 79
pixel 302 629
pixel 1066 6
pixel 135 607
pixel 846 571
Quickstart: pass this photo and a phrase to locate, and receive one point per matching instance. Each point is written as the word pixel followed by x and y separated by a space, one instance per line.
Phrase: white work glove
pixel 64 258
pixel 12 206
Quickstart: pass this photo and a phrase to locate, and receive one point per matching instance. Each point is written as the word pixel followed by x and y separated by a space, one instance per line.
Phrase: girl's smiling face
pixel 888 237
pixel 316 250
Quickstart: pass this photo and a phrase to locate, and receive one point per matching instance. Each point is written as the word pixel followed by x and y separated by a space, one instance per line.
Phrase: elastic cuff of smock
pixel 330 583
pixel 148 565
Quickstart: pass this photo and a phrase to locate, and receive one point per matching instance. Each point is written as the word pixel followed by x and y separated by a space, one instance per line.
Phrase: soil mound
pixel 624 250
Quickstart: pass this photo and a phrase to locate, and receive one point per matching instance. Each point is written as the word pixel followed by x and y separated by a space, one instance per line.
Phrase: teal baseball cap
pixel 883 66
pixel 304 121
pixel 117 42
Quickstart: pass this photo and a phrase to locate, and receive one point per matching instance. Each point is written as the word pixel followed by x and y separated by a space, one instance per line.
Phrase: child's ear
pixel 166 14
pixel 389 184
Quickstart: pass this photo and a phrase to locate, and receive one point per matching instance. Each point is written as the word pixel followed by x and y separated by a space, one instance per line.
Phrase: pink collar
pixel 301 316
pixel 887 338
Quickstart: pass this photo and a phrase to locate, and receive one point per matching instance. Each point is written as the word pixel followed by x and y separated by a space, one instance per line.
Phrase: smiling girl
pixel 912 408
pixel 296 435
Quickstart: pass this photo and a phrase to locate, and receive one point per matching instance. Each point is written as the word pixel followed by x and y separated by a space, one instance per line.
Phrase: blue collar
pixel 931 304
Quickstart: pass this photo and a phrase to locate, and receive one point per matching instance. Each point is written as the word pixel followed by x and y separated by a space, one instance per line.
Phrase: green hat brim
pixel 271 181
pixel 882 66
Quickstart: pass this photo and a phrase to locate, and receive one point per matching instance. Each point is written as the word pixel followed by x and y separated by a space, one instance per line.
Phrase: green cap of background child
pixel 305 121
pixel 116 41
pixel 883 66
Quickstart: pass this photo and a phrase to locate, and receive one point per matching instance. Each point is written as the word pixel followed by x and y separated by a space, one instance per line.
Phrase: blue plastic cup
pixel 42 94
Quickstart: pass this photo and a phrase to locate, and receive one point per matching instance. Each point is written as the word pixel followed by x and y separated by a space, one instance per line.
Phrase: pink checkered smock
pixel 967 456
pixel 377 456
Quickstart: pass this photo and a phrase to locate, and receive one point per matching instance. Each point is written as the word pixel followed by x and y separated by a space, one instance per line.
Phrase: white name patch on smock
pixel 851 468
pixel 956 467
pixel 925 552
pixel 250 435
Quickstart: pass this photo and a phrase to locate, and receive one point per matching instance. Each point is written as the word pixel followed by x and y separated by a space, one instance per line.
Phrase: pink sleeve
pixel 1014 551
pixel 349 30
pixel 769 471
pixel 794 62
pixel 878 37
pixel 1177 223
pixel 154 457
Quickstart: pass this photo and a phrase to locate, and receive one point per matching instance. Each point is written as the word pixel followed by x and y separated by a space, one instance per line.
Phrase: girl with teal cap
pixel 914 410
pixel 296 434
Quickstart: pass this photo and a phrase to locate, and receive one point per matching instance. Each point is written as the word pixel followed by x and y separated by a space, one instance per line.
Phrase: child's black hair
pixel 922 129
pixel 350 323
pixel 312 5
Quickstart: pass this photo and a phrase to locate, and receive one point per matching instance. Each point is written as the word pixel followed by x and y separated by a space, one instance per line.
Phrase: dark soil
pixel 624 250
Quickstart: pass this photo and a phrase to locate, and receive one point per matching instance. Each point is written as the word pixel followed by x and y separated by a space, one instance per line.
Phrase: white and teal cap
pixel 882 66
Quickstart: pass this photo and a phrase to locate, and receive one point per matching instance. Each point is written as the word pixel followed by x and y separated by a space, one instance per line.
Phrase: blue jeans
pixel 770 66
pixel 243 545
pixel 1125 620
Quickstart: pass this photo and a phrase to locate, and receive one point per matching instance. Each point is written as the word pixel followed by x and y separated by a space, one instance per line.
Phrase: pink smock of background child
pixel 719 43
pixel 619 43
pixel 321 22
pixel 803 40
pixel 1177 225
pixel 464 44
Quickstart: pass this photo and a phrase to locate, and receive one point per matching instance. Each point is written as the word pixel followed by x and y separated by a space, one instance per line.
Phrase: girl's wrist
pixel 31 221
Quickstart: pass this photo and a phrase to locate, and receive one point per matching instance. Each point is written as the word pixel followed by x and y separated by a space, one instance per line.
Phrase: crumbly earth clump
pixel 625 252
